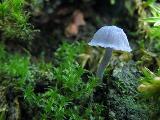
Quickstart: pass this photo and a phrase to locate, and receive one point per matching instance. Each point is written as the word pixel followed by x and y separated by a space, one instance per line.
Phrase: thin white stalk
pixel 104 62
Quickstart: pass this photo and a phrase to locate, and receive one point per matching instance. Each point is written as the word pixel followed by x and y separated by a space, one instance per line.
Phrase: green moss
pixel 55 92
pixel 14 20
pixel 18 66
pixel 123 101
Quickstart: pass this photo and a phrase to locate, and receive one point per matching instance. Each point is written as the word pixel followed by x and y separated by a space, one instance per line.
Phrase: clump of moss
pixel 122 99
pixel 149 88
pixel 51 92
pixel 14 20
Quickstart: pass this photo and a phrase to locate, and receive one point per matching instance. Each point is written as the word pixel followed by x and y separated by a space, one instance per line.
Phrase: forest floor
pixel 48 73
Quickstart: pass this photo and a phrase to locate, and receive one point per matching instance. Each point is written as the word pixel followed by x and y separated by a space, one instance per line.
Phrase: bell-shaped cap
pixel 112 37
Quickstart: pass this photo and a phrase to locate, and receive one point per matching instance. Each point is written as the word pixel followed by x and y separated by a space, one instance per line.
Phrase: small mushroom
pixel 111 38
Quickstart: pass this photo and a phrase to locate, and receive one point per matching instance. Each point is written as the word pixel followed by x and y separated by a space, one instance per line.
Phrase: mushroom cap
pixel 112 37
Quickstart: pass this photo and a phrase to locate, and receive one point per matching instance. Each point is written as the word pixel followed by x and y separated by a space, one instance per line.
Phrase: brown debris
pixel 73 27
pixel 78 18
pixel 71 30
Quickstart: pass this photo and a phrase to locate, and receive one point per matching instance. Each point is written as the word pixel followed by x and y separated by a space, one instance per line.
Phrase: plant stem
pixel 104 62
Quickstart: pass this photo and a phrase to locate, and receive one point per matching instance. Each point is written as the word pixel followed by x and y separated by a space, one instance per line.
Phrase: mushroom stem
pixel 104 62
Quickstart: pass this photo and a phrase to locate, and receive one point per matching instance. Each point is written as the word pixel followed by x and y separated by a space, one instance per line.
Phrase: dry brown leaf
pixel 71 30
pixel 77 20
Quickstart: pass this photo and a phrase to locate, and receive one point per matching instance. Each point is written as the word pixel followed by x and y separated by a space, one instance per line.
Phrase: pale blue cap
pixel 112 37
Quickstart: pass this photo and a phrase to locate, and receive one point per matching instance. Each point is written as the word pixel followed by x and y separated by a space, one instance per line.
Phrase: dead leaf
pixel 73 27
pixel 71 30
pixel 78 18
